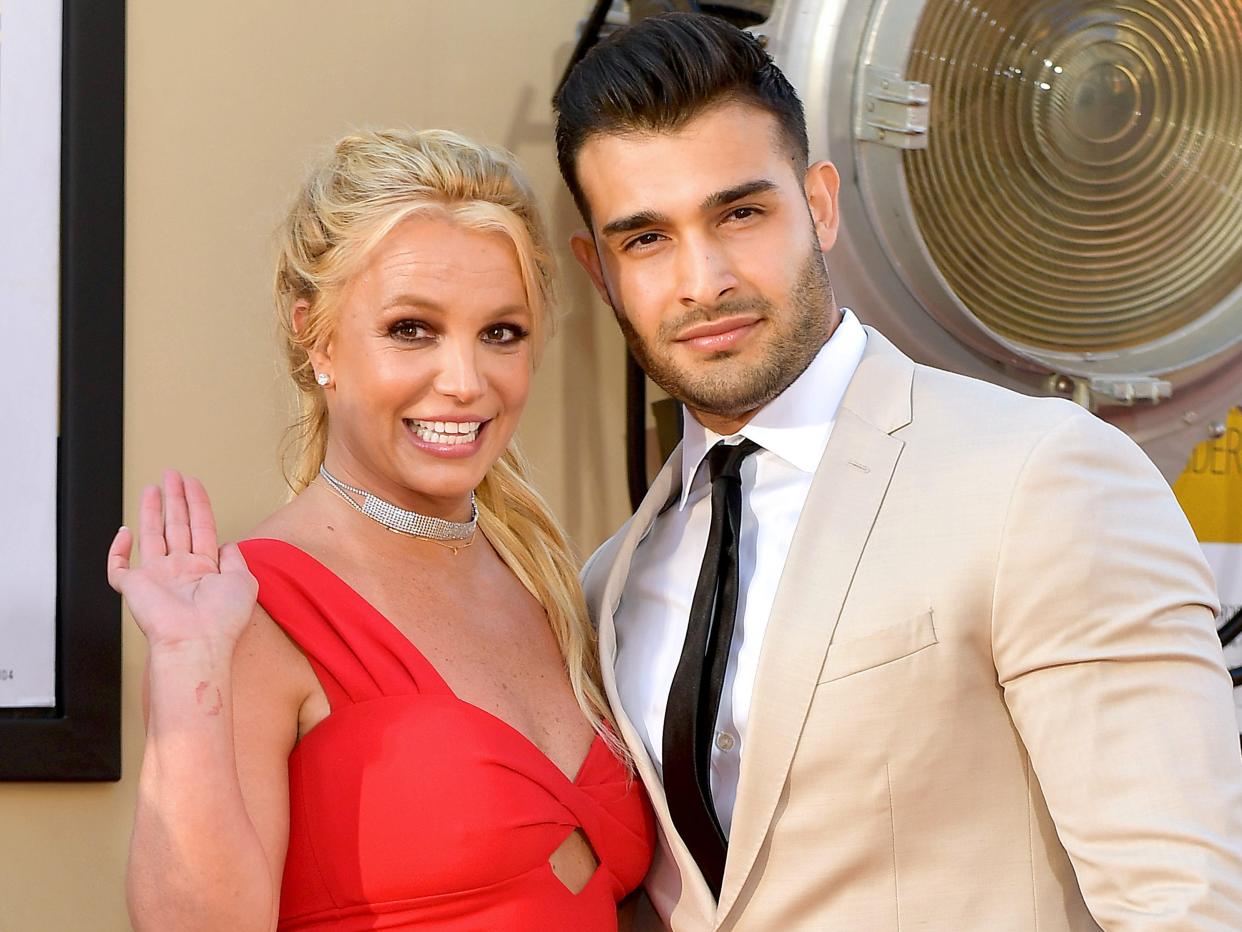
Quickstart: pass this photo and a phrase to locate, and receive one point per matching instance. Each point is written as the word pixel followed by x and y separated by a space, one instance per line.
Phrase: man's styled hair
pixel 656 76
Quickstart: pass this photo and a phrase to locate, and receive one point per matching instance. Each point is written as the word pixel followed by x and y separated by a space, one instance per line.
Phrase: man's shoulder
pixel 596 570
pixel 1005 431
pixel 950 400
pixel 947 403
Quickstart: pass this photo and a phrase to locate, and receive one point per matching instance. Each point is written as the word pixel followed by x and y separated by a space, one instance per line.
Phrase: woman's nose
pixel 459 376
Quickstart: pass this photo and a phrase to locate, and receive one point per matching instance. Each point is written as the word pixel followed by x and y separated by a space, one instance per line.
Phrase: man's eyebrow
pixel 651 218
pixel 737 193
pixel 644 218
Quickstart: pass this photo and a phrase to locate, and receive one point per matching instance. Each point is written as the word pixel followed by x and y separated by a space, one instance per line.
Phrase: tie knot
pixel 725 460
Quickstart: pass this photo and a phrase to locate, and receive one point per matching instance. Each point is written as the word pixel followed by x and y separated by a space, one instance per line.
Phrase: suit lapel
pixel 663 490
pixel 666 484
pixel 841 507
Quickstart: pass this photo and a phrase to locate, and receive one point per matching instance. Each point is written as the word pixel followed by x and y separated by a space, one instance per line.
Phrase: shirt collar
pixel 796 423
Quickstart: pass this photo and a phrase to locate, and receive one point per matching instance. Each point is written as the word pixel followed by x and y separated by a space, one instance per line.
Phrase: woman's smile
pixel 450 439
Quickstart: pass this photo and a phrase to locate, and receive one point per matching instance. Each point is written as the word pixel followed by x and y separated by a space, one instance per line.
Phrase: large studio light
pixel 1047 194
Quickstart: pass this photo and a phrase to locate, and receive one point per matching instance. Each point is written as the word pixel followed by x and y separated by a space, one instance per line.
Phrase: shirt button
pixel 725 741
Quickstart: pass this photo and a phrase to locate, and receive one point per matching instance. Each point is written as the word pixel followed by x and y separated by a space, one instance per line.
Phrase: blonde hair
pixel 369 184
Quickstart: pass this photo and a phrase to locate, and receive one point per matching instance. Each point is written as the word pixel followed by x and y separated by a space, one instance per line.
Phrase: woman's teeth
pixel 448 433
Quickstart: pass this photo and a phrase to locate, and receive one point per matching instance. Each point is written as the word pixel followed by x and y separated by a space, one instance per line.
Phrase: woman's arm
pixel 211 823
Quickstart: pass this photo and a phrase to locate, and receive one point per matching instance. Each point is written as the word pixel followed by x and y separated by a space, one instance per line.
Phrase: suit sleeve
pixel 1105 645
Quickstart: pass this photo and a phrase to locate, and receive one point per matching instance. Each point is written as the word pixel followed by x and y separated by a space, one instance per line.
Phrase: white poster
pixel 30 44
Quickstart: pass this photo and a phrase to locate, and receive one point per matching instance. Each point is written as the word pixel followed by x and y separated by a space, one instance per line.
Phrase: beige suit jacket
pixel 990 696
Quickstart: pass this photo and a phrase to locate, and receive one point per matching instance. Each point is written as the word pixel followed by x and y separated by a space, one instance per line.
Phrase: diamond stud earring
pixel 323 379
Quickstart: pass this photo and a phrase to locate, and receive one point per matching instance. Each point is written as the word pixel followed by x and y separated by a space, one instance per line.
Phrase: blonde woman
pixel 407 730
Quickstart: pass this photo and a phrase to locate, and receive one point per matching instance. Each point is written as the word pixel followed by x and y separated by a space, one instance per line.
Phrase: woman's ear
pixel 320 355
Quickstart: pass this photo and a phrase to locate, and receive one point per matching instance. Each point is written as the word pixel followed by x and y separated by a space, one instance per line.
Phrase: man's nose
pixel 705 274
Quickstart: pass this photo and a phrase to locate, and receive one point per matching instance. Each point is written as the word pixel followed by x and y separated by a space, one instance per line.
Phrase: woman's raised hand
pixel 187 589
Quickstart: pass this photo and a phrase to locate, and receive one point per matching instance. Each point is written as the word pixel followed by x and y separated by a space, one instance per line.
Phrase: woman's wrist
pixel 205 653
pixel 190 681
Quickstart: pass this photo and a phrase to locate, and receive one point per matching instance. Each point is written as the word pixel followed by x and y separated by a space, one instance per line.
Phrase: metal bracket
pixel 1110 389
pixel 894 111
pixel 1127 389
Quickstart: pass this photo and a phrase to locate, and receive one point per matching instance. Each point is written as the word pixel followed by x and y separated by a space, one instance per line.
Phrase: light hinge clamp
pixel 894 111
pixel 1128 389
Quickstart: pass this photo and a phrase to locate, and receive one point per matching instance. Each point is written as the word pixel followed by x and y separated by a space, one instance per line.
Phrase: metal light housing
pixel 1043 193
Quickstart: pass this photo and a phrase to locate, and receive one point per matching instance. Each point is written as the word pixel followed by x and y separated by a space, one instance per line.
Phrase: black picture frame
pixel 80 738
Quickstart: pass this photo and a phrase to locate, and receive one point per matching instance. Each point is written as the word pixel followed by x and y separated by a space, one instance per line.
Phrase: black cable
pixel 635 431
pixel 1230 630
pixel 635 379
pixel 635 386
pixel 590 36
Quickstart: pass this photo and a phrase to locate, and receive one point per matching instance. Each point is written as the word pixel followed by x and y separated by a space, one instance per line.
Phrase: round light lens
pixel 1082 190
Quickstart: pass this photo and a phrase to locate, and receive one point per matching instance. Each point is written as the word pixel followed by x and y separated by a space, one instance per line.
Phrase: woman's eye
pixel 504 333
pixel 409 330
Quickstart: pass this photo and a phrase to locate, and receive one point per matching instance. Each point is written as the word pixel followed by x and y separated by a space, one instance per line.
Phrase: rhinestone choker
pixel 452 534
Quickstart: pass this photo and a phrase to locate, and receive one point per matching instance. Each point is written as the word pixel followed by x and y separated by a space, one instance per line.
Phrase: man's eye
pixel 643 239
pixel 504 333
pixel 744 213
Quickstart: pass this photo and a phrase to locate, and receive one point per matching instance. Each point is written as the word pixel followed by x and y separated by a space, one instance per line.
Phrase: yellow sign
pixel 1210 490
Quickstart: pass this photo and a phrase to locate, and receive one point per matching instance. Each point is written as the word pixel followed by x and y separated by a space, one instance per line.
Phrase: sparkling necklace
pixel 455 535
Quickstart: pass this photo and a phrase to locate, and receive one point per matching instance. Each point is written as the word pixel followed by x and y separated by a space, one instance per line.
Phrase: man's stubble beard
pixel 801 329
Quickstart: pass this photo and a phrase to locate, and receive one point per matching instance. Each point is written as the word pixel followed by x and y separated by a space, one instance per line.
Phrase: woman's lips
pixel 454 450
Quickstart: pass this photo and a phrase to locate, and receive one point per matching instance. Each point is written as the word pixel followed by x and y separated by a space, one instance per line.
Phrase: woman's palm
pixel 185 589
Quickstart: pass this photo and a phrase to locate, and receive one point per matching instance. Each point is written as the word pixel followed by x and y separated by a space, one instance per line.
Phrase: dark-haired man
pixel 893 648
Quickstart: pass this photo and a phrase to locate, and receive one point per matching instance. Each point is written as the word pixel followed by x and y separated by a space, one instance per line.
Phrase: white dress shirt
pixel 792 431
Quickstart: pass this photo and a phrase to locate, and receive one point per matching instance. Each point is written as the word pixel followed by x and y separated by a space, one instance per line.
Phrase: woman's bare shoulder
pixel 269 668
pixel 302 522
pixel 288 522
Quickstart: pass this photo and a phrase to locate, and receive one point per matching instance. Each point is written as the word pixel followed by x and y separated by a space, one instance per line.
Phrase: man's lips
pixel 718 334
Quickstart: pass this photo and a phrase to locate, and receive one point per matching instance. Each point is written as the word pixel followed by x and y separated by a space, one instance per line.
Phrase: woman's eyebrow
pixel 409 299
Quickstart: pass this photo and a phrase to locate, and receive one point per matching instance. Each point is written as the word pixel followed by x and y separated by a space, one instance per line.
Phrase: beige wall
pixel 225 102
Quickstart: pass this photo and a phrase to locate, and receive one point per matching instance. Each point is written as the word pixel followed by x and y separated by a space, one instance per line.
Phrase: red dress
pixel 412 809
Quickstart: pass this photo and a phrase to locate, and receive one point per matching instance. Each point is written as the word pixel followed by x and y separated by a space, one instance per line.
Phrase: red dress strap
pixel 355 651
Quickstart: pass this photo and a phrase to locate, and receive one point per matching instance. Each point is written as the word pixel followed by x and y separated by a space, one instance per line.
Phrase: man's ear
pixel 822 183
pixel 320 355
pixel 582 244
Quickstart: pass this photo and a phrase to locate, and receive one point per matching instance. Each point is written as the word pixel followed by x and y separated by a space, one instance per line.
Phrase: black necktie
pixel 694 698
